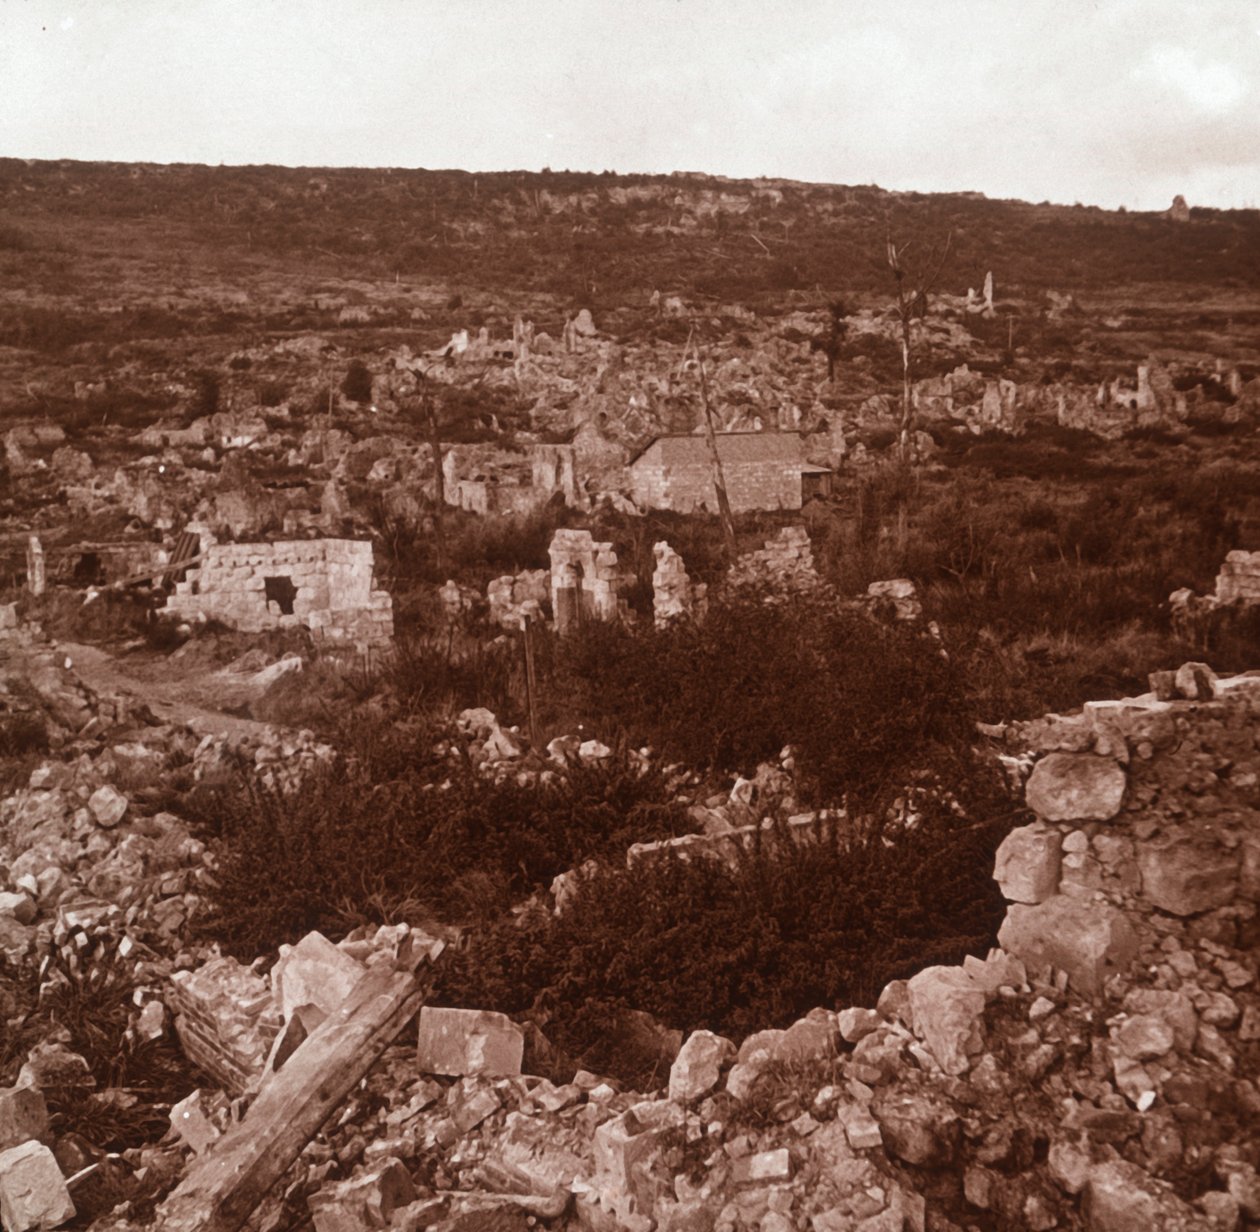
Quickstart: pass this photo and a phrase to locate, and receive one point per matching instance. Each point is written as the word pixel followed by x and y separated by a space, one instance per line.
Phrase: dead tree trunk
pixel 912 304
pixel 719 477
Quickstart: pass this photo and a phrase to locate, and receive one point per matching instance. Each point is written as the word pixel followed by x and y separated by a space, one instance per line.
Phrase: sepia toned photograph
pixel 629 616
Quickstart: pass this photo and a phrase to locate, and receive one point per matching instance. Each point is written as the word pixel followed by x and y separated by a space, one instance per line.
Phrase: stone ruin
pixel 1179 211
pixel 554 469
pixel 324 585
pixel 517 597
pixel 1237 588
pixel 786 563
pixel 585 580
pixel 674 595
pixel 981 305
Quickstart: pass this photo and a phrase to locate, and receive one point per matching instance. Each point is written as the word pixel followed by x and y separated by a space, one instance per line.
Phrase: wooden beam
pixel 223 1188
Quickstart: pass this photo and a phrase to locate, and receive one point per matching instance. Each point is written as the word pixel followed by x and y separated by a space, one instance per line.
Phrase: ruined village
pixel 653 703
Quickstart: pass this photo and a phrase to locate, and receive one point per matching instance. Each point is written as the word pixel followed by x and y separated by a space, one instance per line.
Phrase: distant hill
pixel 601 237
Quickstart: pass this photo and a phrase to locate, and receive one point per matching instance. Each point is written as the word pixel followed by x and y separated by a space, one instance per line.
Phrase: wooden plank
pixel 224 1187
pixel 158 571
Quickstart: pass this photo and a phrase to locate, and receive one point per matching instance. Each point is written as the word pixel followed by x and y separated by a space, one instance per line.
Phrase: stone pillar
pixel 672 593
pixel 36 574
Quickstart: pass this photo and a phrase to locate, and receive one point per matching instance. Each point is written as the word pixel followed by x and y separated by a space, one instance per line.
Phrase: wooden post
pixel 531 685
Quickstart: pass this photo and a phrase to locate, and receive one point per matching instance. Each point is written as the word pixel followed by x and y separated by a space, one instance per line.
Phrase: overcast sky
pixel 1108 102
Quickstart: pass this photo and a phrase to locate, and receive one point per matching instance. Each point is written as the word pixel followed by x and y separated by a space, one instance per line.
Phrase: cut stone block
pixel 458 1043
pixel 1184 876
pixel 33 1192
pixel 948 1008
pixel 313 972
pixel 1028 863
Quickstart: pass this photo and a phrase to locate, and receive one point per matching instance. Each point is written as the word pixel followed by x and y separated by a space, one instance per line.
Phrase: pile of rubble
pixel 1097 1071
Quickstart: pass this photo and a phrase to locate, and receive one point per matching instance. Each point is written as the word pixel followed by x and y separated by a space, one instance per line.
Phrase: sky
pixel 1105 102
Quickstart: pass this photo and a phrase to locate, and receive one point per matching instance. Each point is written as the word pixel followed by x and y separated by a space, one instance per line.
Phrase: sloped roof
pixel 690 449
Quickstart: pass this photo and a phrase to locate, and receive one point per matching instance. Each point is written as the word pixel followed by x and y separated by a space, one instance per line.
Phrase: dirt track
pixel 170 698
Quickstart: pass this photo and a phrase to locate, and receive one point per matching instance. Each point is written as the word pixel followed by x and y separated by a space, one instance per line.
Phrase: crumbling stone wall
pixel 225 1019
pixel 322 584
pixel 1147 831
pixel 554 469
pixel 584 580
pixel 1237 586
pixel 687 487
pixel 674 595
pixel 1239 579
pixel 785 563
pixel 517 597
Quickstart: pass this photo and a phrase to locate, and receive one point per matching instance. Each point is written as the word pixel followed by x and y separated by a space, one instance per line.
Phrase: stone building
pixel 763 470
pixel 324 585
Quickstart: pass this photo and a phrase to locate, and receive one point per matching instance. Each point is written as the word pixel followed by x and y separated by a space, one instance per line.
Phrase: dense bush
pixel 865 705
pixel 736 949
pixel 357 383
pixel 396 833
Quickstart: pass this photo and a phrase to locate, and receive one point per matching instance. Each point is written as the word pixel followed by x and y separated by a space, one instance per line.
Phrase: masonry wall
pixel 332 579
pixel 749 485
pixel 1147 830
pixel 1239 579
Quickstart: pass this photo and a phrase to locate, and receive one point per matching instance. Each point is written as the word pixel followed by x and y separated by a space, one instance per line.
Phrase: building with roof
pixel 763 470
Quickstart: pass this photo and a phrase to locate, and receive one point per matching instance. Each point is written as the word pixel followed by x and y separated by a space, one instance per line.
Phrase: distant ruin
pixel 762 470
pixel 324 585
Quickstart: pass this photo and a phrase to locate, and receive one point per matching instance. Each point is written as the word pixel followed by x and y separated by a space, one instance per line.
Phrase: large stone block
pixel 1090 941
pixel 948 1009
pixel 313 972
pixel 1028 864
pixel 1076 787
pixel 457 1043
pixel 1186 875
pixel 33 1192
pixel 698 1066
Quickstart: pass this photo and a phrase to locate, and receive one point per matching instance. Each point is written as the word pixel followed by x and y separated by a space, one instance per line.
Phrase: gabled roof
pixel 690 449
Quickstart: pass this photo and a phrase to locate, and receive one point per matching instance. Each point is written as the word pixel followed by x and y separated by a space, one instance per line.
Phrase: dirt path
pixel 171 699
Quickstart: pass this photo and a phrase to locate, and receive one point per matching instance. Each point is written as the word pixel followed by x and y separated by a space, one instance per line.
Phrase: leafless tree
pixel 912 291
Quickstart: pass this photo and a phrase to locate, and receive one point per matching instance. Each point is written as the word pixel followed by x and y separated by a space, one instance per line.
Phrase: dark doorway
pixel 280 590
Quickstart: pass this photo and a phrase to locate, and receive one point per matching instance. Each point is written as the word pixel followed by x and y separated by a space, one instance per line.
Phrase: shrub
pixel 867 706
pixel 395 833
pixel 737 949
pixel 357 384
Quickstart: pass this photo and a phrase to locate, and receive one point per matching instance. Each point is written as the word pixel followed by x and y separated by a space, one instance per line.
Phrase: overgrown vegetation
pixel 736 949
pixel 394 832
pixel 865 706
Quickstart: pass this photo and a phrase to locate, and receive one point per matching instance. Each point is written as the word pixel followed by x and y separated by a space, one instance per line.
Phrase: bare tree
pixel 912 305
pixel 719 478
